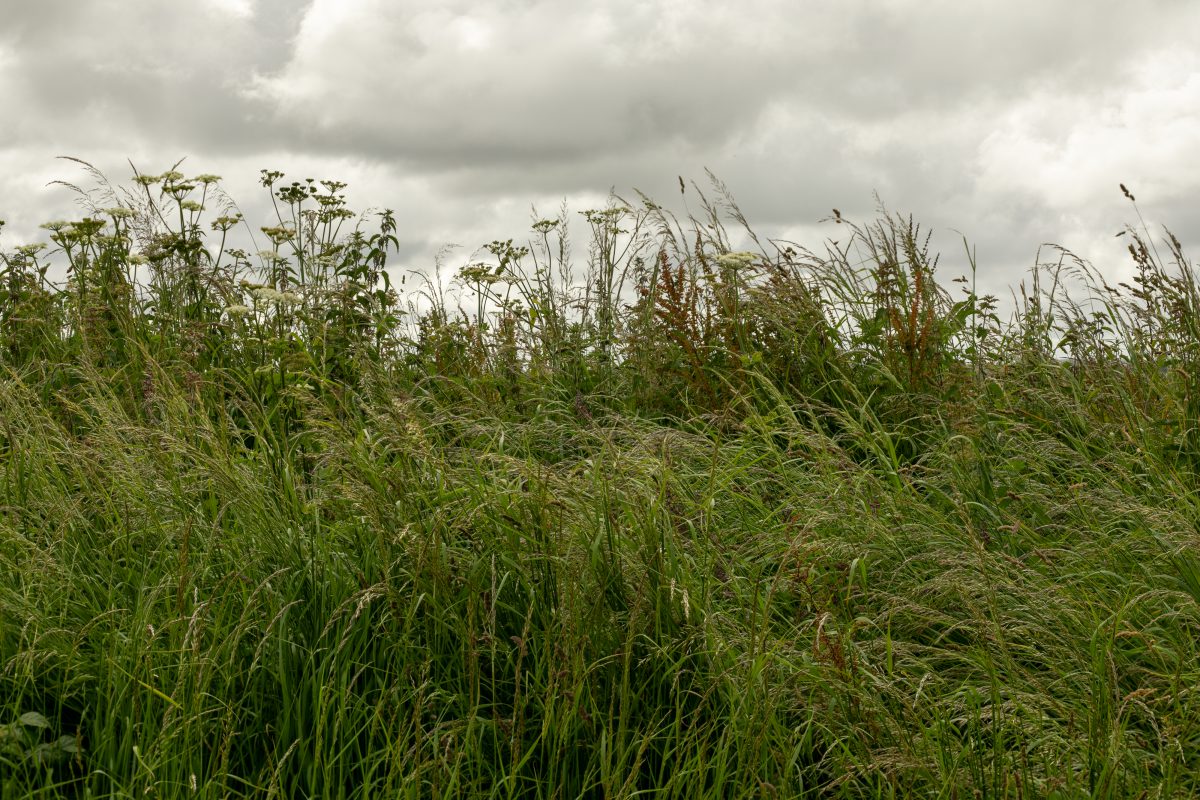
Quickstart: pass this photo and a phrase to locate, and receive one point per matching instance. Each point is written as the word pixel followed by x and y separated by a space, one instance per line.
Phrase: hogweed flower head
pixel 224 223
pixel 279 233
pixel 266 294
pixel 737 260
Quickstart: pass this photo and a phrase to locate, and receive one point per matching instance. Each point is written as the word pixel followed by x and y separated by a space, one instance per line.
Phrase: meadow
pixel 673 520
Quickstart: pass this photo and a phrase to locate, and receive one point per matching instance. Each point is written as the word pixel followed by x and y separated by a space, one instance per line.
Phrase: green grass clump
pixel 681 521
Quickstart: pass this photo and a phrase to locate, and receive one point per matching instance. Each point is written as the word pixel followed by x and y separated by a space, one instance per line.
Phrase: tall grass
pixel 679 521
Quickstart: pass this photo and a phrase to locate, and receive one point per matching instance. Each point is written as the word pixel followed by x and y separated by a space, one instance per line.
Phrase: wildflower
pixel 190 205
pixel 206 178
pixel 480 273
pixel 147 180
pixel 138 258
pixel 224 223
pixel 266 294
pixel 28 250
pixel 270 255
pixel 171 176
pixel 89 226
pixel 237 311
pixel 738 260
pixel 55 226
pixel 120 212
pixel 290 298
pixel 279 233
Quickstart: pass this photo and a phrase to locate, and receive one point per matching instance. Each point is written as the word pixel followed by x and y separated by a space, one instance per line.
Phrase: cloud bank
pixel 1010 122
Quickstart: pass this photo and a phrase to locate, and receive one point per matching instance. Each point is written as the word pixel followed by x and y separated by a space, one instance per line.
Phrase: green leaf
pixel 34 720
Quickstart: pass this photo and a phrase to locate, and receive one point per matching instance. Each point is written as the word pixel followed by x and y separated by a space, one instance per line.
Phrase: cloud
pixel 1068 148
pixel 1011 122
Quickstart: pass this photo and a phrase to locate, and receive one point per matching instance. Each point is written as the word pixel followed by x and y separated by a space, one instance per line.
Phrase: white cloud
pixel 241 9
pixel 1068 149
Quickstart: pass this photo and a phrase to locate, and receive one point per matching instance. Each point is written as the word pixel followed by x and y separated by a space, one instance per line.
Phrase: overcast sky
pixel 1009 121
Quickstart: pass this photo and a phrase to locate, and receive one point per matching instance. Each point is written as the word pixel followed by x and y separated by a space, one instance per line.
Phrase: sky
pixel 1010 122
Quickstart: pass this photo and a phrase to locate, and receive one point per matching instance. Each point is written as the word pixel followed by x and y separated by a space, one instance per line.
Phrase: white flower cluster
pixel 266 294
pixel 738 260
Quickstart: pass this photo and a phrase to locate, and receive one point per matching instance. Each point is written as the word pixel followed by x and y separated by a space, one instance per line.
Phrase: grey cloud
pixel 123 72
pixel 531 92
pixel 1005 120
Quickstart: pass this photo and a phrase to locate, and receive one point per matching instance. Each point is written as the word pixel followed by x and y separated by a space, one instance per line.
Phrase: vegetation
pixel 677 522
